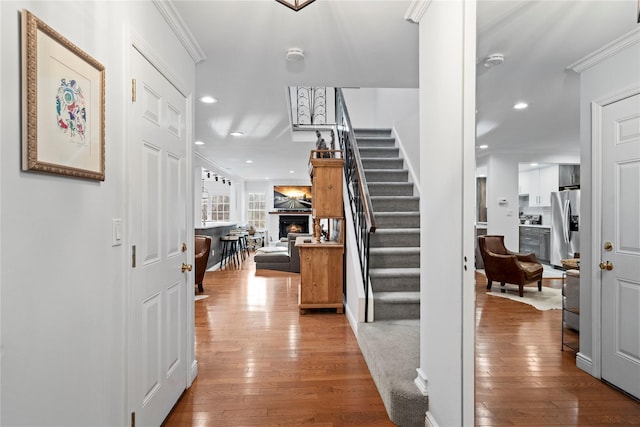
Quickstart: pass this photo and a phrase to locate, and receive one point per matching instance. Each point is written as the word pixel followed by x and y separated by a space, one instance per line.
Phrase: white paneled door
pixel 620 253
pixel 157 356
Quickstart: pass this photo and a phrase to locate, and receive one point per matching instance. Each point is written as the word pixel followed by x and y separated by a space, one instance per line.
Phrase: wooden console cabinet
pixel 321 262
pixel 320 275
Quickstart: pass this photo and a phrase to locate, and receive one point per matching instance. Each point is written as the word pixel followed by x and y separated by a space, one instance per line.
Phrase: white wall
pixel 502 183
pixel 616 73
pixel 396 109
pixel 63 286
pixel 447 210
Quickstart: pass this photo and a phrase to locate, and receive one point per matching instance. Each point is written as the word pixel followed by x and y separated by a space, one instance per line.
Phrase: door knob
pixel 608 246
pixel 606 265
pixel 186 267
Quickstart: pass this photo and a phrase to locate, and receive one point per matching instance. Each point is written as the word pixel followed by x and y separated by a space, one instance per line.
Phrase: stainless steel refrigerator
pixel 565 225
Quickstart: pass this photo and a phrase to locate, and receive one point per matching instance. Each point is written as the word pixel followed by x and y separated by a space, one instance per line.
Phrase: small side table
pixel 571 310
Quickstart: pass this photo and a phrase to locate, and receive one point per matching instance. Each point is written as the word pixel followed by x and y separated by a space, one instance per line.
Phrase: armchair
pixel 505 266
pixel 202 247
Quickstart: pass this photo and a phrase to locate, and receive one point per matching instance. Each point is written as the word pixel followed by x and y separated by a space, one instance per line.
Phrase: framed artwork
pixel 62 104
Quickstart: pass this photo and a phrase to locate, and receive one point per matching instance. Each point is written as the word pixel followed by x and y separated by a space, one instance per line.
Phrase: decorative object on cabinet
pixel 322 256
pixel 504 266
pixel 63 104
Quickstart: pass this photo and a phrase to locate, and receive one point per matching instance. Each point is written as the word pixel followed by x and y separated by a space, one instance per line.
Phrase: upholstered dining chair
pixel 504 266
pixel 203 250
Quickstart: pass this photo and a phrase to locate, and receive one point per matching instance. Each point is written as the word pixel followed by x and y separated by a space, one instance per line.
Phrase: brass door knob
pixel 606 265
pixel 608 246
pixel 186 267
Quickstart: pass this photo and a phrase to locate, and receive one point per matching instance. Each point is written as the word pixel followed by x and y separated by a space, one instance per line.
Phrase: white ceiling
pixel 367 43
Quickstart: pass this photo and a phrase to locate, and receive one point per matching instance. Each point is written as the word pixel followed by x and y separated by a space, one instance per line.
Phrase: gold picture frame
pixel 63 100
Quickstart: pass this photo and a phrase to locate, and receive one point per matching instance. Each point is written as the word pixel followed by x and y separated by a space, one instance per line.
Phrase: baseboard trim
pixel 421 382
pixel 193 373
pixel 353 321
pixel 429 421
pixel 585 363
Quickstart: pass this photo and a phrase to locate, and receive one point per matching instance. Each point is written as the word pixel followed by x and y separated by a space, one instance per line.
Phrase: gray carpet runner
pixel 391 343
pixel 394 258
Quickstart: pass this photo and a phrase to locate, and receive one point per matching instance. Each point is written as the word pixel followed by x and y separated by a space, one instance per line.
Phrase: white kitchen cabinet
pixel 539 184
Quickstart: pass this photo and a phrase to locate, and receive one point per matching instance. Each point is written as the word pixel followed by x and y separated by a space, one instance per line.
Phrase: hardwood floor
pixel 260 363
pixel 522 377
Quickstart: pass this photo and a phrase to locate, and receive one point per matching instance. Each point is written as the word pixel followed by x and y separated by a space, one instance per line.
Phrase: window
pixel 257 212
pixel 219 208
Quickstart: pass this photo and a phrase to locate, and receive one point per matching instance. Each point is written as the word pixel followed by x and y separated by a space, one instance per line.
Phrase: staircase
pixel 394 258
pixel 391 343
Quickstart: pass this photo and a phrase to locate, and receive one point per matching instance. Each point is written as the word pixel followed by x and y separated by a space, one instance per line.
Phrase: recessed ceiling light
pixel 520 106
pixel 199 142
pixel 237 133
pixel 208 99
pixel 533 164
pixel 483 146
pixel 248 161
pixel 292 171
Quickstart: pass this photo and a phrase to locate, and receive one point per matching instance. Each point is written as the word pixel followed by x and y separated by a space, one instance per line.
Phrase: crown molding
pixel 416 10
pixel 610 49
pixel 180 29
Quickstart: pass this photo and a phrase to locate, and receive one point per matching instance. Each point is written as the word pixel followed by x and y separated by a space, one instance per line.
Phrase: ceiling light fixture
pixel 295 4
pixel 520 106
pixel 198 142
pixel 292 171
pixel 208 99
pixel 248 161
pixel 483 146
pixel 493 60
pixel 237 133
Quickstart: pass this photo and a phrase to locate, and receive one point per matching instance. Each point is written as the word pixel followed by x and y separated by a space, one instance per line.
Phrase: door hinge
pixel 133 419
pixel 133 256
pixel 133 90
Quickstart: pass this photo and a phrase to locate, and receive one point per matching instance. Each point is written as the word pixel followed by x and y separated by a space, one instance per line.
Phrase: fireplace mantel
pixel 289 213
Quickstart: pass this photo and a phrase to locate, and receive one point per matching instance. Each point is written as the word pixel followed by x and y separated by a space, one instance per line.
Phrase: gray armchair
pixel 284 260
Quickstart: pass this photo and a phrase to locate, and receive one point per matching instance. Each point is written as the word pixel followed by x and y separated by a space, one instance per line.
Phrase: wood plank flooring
pixel 522 377
pixel 262 364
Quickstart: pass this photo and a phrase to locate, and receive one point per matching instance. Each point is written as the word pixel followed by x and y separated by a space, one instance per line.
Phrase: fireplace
pixel 293 224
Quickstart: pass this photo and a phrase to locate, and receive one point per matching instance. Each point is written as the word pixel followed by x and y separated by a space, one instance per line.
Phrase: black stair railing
pixel 357 190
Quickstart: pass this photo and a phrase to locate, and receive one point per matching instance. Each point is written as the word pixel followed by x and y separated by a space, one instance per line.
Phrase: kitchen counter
pixel 216 225
pixel 535 225
pixel 215 231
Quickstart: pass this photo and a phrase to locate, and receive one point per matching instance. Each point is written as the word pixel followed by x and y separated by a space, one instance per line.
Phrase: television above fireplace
pixel 292 198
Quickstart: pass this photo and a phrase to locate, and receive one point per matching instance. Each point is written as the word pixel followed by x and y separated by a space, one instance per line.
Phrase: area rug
pixel 547 299
pixel 200 297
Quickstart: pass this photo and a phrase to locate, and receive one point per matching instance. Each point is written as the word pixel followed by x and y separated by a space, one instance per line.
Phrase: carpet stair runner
pixel 391 343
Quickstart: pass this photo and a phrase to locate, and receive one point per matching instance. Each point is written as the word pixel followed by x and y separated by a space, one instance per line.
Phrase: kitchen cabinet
pixel 539 184
pixel 536 240
pixel 569 176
